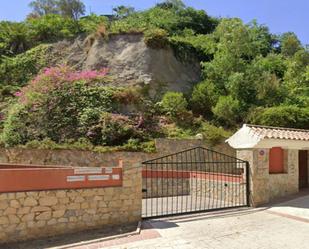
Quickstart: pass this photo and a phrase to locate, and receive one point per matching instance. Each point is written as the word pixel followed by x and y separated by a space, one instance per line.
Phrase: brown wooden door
pixel 303 168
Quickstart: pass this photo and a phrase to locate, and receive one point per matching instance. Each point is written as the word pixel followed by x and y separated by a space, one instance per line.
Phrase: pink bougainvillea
pixel 54 77
pixel 18 94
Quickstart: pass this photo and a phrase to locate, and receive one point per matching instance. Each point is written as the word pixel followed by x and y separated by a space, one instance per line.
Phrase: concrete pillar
pixel 259 175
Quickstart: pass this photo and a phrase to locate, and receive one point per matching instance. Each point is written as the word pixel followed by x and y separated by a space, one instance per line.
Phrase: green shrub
pixel 213 135
pixel 115 129
pixel 20 69
pixel 227 110
pixel 156 38
pixel 136 145
pixel 282 116
pixel 204 97
pixel 174 103
pixel 52 28
pixel 59 105
pixel 14 38
pixel 14 127
pixel 89 24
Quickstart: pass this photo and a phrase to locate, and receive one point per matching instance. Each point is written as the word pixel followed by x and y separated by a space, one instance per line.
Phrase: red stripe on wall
pixel 29 179
pixel 189 174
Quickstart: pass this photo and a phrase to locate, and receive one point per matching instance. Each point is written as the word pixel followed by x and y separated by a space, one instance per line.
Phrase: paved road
pixel 284 226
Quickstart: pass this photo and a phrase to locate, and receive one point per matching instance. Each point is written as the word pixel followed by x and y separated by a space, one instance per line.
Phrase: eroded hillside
pixel 130 62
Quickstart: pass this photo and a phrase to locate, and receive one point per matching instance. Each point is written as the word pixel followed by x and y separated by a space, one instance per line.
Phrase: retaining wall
pixel 36 214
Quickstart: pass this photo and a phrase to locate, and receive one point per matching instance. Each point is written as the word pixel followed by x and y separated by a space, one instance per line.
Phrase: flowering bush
pixel 64 105
pixel 54 78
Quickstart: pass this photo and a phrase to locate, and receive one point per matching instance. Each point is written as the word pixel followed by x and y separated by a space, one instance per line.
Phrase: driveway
pixel 283 225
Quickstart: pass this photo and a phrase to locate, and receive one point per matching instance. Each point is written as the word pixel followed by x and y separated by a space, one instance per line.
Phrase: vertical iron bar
pixel 248 183
pixel 162 184
pixel 157 189
pixel 212 182
pixel 191 174
pixel 176 181
pixel 166 183
pixel 189 187
pixel 240 184
pixel 173 185
pixel 146 191
pixel 181 183
pixel 234 183
pixel 151 184
pixel 200 178
pixel 205 179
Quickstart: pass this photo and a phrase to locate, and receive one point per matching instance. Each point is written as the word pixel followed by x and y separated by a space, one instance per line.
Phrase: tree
pixel 204 97
pixel 44 7
pixel 67 8
pixel 123 11
pixel 71 8
pixel 174 103
pixel 51 28
pixel 289 44
pixel 13 37
pixel 227 110
pixel 172 4
pixel 282 116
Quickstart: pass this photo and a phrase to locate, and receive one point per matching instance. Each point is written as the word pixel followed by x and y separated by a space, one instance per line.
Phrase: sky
pixel 279 15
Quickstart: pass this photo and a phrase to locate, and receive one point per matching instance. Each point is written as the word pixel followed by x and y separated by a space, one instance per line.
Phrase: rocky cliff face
pixel 130 62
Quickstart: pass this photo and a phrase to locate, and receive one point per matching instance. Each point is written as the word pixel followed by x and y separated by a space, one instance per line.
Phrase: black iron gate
pixel 194 180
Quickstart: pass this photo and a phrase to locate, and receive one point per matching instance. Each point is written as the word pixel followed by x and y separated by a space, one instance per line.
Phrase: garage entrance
pixel 194 180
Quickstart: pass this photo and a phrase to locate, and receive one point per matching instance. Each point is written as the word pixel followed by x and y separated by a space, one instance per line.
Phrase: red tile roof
pixel 279 132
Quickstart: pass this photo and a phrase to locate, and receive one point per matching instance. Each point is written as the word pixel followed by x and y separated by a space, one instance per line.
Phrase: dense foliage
pixel 248 75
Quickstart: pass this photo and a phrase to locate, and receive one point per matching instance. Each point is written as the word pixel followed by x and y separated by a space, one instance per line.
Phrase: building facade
pixel 278 158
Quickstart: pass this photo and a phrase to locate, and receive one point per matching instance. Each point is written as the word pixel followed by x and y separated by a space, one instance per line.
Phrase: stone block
pixel 4 220
pixel 44 216
pixel 73 206
pixel 48 201
pixel 79 199
pixel 64 200
pixel 23 210
pixel 40 209
pixel 58 213
pixel 63 220
pixel 61 194
pixel 84 205
pixel 40 223
pixel 52 222
pixel 20 195
pixel 30 202
pixel 10 210
pixel 32 193
pixel 4 204
pixel 13 219
pixel 28 217
pixel 3 196
pixel 14 204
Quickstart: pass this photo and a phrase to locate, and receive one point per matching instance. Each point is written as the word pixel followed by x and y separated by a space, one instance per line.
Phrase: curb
pixel 88 242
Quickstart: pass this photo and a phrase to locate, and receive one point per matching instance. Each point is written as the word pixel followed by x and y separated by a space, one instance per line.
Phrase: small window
pixel 276 160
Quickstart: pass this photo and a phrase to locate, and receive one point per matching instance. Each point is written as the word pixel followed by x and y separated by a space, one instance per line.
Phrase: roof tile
pixel 279 132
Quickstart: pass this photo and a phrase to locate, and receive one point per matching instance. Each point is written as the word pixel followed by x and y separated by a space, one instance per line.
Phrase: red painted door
pixel 303 168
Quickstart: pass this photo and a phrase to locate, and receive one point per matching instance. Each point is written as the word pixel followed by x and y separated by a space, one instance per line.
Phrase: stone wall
pixel 108 159
pixel 220 192
pixel 26 215
pixel 163 187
